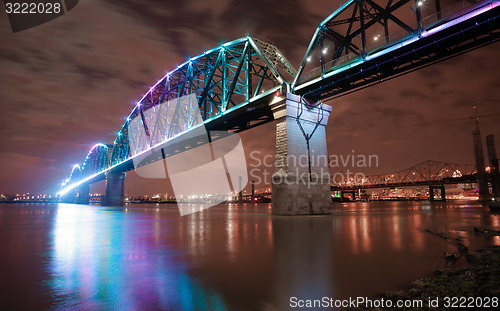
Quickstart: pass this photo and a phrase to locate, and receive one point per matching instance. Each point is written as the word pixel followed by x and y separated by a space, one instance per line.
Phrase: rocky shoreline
pixel 481 278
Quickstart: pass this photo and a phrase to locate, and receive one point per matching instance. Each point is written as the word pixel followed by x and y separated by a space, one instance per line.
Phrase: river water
pixel 228 257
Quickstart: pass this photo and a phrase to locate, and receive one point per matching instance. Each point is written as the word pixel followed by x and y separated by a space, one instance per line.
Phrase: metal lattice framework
pixel 361 31
pixel 200 90
pixel 73 176
pixel 425 173
pixel 96 161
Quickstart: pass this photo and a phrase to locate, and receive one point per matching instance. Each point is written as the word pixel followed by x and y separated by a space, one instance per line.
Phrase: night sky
pixel 69 84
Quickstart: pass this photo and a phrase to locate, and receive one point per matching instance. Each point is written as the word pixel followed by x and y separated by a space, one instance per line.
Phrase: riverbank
pixel 481 278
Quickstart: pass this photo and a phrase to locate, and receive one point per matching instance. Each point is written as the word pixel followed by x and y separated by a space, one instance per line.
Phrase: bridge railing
pixel 336 63
pixel 432 19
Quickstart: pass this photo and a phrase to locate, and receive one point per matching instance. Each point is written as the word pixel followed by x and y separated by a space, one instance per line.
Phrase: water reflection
pixel 235 257
pixel 103 260
pixel 303 259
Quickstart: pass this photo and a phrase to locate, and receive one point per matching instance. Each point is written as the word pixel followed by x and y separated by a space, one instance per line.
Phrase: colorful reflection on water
pixel 229 257
pixel 111 260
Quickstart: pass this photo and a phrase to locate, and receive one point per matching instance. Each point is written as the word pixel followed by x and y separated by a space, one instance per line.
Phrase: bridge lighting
pixel 309 58
pixel 325 50
pixel 420 2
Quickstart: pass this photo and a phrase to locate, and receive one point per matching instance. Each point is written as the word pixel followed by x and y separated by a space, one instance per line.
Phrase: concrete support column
pixel 69 197
pixel 115 189
pixel 301 183
pixel 83 194
pixel 482 179
pixel 442 190
pixel 443 193
pixel 240 194
pixel 253 192
pixel 492 156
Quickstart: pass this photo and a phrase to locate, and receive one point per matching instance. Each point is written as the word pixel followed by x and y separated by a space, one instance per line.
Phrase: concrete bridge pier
pixel 492 156
pixel 83 194
pixel 69 197
pixel 443 193
pixel 115 189
pixel 344 192
pixel 441 190
pixel 301 183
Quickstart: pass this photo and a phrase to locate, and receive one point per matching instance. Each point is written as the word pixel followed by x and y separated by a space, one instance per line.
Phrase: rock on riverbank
pixel 481 278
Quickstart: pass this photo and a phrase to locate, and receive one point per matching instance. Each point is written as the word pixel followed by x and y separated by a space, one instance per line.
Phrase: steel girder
pixel 97 160
pixel 343 34
pixel 428 172
pixel 75 175
pixel 200 90
pixel 349 40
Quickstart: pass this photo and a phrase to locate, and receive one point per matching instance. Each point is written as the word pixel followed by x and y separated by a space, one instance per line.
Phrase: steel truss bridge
pixel 236 86
pixel 423 174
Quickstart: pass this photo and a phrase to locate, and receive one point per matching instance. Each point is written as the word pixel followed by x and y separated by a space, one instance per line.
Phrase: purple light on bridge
pixel 94 147
pixel 98 145
pixel 460 19
pixel 75 166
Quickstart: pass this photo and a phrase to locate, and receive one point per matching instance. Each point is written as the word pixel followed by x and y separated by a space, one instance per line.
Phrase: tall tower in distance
pixel 494 170
pixel 479 155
